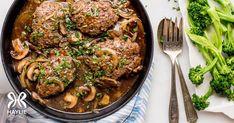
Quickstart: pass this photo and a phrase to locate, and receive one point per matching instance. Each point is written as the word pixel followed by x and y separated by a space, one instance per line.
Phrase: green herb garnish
pixel 70 25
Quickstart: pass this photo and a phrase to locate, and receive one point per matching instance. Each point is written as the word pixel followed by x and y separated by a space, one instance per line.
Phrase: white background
pixel 157 111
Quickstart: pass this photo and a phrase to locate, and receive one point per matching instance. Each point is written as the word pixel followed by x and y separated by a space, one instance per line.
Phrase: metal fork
pixel 172 46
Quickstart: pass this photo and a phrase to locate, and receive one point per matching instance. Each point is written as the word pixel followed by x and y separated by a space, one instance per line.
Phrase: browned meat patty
pixel 116 57
pixel 55 76
pixel 93 17
pixel 47 18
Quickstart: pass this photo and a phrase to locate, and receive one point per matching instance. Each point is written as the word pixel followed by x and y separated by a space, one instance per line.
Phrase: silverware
pixel 172 47
pixel 191 113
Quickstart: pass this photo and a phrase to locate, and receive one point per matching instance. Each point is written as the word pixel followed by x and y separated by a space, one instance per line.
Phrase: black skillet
pixel 68 116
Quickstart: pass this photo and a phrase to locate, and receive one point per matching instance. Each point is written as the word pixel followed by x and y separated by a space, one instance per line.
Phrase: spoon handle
pixel 173 105
pixel 190 111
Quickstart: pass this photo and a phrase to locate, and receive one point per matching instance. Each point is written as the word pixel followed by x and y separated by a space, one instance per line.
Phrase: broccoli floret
pixel 230 62
pixel 228 45
pixel 200 102
pixel 231 95
pixel 202 2
pixel 222 83
pixel 196 74
pixel 198 17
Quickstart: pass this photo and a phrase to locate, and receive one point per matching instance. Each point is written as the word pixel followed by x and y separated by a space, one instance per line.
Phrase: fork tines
pixel 172 33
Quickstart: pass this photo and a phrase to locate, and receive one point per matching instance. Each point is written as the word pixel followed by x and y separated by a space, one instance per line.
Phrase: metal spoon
pixel 190 111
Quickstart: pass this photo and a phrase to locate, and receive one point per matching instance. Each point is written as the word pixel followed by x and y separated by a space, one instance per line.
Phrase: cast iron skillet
pixel 67 116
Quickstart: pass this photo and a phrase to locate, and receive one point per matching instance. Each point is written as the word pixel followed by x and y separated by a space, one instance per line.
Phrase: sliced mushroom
pixel 32 72
pixel 36 97
pixel 124 24
pixel 71 99
pixel 114 33
pixel 105 100
pixel 111 52
pixel 22 79
pixel 126 13
pixel 20 49
pixel 28 84
pixel 21 64
pixel 62 29
pixel 40 59
pixel 108 82
pixel 22 76
pixel 134 37
pixel 83 89
pixel 91 94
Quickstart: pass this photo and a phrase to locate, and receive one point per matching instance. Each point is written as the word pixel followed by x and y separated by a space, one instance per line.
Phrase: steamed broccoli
pixel 226 13
pixel 196 74
pixel 198 17
pixel 222 84
pixel 205 43
pixel 212 47
pixel 228 45
pixel 226 17
pixel 230 62
pixel 200 102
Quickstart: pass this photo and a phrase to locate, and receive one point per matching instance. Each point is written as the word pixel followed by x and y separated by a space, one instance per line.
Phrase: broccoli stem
pixel 208 93
pixel 229 18
pixel 200 102
pixel 206 55
pixel 226 5
pixel 206 43
pixel 217 25
pixel 228 45
pixel 209 67
pixel 230 34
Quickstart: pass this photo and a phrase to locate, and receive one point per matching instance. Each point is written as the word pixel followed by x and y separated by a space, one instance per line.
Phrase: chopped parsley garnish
pixel 122 62
pixel 28 29
pixel 100 73
pixel 78 35
pixel 176 8
pixel 125 37
pixel 88 77
pixel 95 59
pixel 66 82
pixel 57 53
pixel 42 72
pixel 70 25
pixel 64 64
pixel 93 12
pixel 99 96
pixel 104 35
pixel 36 36
pixel 81 94
pixel 123 1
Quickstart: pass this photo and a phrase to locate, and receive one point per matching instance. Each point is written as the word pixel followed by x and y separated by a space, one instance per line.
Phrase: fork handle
pixel 190 111
pixel 173 106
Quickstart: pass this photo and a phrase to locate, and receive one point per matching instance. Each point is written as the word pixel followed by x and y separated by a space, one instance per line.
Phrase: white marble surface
pixel 157 111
